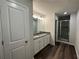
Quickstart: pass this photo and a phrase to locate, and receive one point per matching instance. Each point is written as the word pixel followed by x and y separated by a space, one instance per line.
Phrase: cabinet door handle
pixel 26 41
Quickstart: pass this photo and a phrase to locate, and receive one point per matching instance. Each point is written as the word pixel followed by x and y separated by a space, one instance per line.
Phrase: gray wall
pixel 72 35
pixel 77 36
pixel 75 32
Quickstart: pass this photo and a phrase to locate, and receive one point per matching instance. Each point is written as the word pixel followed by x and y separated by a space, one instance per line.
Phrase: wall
pixel 29 4
pixel 49 26
pixel 72 35
pixel 77 35
pixel 52 28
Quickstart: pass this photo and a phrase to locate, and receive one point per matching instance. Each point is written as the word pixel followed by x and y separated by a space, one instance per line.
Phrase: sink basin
pixel 40 35
pixel 36 36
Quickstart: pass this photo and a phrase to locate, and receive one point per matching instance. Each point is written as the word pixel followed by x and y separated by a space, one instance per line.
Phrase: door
pixel 63 30
pixel 15 25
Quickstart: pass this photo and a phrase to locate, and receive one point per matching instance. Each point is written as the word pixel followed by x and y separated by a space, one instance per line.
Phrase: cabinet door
pixel 45 40
pixel 48 38
pixel 48 41
pixel 41 43
pixel 15 34
pixel 36 46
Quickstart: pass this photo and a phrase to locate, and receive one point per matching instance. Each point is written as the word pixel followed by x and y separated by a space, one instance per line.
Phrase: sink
pixel 36 36
pixel 40 35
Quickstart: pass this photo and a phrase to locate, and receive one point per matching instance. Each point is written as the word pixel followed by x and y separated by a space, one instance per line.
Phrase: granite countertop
pixel 39 35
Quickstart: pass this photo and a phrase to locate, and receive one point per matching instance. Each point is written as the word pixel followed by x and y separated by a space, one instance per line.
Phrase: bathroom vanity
pixel 41 40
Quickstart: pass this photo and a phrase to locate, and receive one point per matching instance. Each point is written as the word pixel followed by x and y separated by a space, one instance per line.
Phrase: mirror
pixel 35 25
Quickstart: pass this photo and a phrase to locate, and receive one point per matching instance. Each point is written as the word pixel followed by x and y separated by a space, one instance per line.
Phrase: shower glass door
pixel 63 30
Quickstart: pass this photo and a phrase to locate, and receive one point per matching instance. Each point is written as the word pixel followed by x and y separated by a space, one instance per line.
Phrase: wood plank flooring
pixel 60 51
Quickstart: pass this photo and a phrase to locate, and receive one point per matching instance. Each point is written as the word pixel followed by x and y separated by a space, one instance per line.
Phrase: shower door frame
pixel 57 38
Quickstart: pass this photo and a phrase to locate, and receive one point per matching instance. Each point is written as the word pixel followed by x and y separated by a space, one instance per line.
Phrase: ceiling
pixel 47 7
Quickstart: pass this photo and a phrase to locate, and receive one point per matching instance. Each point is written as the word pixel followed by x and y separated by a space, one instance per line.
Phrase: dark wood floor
pixel 60 51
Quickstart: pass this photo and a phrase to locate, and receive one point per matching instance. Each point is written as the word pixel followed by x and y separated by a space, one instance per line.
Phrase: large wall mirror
pixel 35 25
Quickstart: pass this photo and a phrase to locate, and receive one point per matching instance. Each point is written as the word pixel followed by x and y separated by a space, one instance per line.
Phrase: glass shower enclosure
pixel 63 30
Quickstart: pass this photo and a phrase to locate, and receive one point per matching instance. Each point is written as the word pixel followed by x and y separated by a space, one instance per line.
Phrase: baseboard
pixel 77 52
pixel 65 42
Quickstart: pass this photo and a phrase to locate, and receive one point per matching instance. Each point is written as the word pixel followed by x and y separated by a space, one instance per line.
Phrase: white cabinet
pixel 41 42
